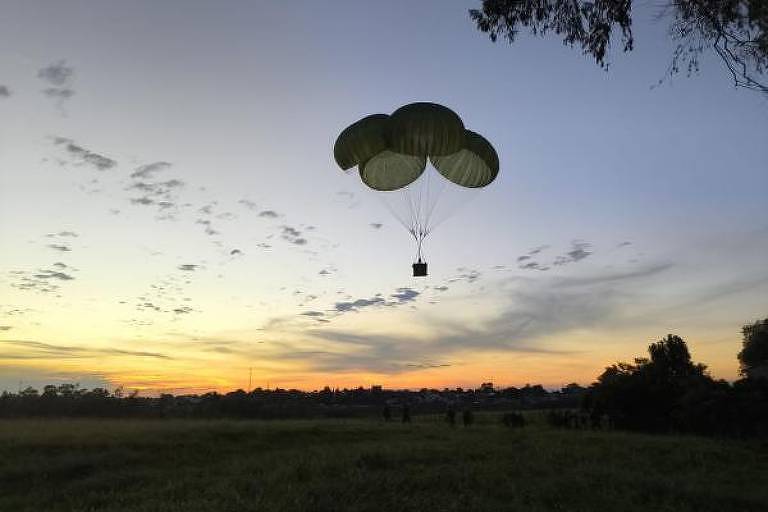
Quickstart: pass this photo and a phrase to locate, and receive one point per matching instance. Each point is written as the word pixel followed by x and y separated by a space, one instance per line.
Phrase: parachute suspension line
pixel 412 210
pixel 436 192
pixel 395 214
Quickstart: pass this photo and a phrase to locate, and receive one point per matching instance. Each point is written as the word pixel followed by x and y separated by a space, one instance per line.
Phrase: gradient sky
pixel 171 214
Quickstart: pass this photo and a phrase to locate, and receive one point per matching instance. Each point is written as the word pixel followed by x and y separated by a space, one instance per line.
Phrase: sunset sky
pixel 171 214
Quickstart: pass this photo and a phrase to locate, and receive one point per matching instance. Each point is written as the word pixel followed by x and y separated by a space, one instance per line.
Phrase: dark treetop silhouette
pixel 735 30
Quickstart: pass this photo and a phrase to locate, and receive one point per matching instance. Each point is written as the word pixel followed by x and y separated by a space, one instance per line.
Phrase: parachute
pixel 391 154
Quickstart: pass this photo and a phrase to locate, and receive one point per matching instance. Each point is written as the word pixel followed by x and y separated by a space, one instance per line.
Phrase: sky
pixel 172 219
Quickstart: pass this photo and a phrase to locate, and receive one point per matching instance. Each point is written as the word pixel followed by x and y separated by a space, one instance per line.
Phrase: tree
pixel 735 30
pixel 648 395
pixel 753 357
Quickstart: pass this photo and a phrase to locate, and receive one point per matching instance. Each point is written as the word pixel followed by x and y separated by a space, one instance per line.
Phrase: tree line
pixel 667 392
pixel 663 392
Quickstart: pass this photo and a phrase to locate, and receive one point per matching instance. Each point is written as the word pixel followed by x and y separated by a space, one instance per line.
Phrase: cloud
pixel 248 204
pixel 85 156
pixel 37 378
pixel 357 305
pixel 469 276
pixel 533 265
pixel 529 311
pixel 612 277
pixel 57 74
pixel 440 288
pixel 142 200
pixel 40 350
pixel 5 327
pixel 292 235
pixel 163 194
pixel 312 313
pixel 624 244
pixel 428 365
pixel 376 225
pixel 4 92
pixel 157 188
pixel 272 214
pixel 403 295
pixel 58 77
pixel 65 234
pixel 50 274
pixel 188 267
pixel 62 248
pixel 579 251
pixel 149 170
pixel 523 258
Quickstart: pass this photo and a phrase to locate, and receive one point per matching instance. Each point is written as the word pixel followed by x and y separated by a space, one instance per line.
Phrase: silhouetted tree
pixel 753 357
pixel 467 417
pixel 647 395
pixel 734 30
pixel 387 413
pixel 406 413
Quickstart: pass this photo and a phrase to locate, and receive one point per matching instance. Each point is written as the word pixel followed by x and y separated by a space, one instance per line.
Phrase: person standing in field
pixel 468 417
pixel 406 413
pixel 450 416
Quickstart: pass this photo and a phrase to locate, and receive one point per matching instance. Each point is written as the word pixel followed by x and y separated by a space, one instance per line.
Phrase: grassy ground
pixel 335 465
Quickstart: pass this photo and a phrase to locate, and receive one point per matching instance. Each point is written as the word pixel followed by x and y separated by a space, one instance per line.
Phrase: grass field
pixel 333 465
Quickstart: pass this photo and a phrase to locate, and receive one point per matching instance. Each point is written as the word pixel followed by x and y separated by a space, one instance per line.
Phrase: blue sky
pixel 235 109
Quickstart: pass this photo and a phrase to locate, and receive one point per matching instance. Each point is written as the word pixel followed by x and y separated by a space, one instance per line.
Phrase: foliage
pixel 753 357
pixel 734 30
pixel 668 392
pixel 73 401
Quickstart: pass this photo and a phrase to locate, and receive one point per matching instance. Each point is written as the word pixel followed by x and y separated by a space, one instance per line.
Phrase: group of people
pixel 450 415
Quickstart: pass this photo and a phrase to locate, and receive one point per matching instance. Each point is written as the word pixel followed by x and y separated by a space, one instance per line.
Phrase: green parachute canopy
pixel 391 151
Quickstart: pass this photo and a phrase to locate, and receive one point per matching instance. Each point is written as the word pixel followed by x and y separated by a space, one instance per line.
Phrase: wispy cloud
pixel 58 73
pixel 58 77
pixel 83 156
pixel 41 350
pixel 579 251
pixel 529 310
pixel 148 171
pixel 399 297
pixel 292 235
